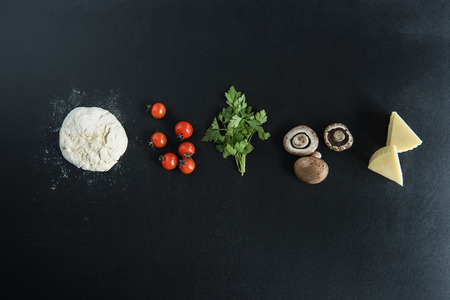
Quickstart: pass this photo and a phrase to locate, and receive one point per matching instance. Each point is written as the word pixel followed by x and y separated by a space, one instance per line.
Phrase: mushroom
pixel 337 137
pixel 301 140
pixel 311 169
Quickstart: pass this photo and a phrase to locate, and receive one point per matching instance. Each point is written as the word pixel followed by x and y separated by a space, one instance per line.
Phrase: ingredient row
pixel 93 139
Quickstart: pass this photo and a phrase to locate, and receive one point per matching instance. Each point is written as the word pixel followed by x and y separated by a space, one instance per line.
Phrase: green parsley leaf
pixel 231 150
pixel 234 122
pixel 215 124
pixel 263 135
pixel 261 116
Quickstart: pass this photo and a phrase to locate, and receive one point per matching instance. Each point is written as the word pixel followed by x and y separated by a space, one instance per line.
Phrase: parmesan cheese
pixel 401 135
pixel 386 163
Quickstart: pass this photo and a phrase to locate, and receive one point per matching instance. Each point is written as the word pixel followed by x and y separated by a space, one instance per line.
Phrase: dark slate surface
pixel 139 232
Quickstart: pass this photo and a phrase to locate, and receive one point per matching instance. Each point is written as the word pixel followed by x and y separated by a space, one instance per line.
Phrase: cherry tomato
pixel 158 140
pixel 158 110
pixel 186 165
pixel 183 130
pixel 186 149
pixel 169 161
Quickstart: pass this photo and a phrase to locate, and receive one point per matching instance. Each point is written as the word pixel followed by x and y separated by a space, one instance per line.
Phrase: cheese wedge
pixel 401 135
pixel 386 163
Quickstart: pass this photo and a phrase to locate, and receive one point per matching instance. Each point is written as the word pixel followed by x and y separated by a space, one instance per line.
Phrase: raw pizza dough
pixel 92 138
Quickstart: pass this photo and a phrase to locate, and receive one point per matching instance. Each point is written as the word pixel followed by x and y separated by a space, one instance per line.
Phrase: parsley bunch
pixel 238 124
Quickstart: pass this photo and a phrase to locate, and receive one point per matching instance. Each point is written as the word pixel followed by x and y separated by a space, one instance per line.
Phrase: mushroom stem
pixel 316 154
pixel 301 140
pixel 339 135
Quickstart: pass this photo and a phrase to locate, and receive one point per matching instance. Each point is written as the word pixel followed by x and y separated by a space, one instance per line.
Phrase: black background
pixel 140 232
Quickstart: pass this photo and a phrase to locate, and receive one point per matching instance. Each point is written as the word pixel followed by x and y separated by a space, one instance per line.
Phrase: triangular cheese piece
pixel 401 135
pixel 386 163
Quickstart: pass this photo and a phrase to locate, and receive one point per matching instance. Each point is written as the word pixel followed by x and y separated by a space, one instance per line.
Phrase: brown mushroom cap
pixel 337 137
pixel 311 169
pixel 301 140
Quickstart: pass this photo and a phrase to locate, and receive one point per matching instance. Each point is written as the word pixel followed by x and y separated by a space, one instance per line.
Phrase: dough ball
pixel 92 138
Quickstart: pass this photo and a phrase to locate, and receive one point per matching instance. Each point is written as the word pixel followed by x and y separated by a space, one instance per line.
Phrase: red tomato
pixel 158 140
pixel 183 130
pixel 187 165
pixel 186 149
pixel 158 110
pixel 169 161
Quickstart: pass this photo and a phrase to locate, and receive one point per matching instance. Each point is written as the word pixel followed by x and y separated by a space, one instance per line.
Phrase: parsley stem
pixel 251 135
pixel 240 162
